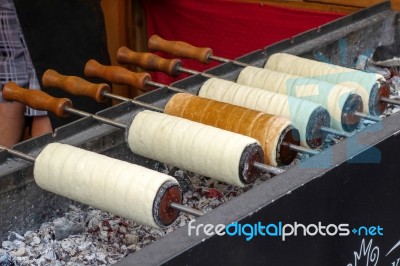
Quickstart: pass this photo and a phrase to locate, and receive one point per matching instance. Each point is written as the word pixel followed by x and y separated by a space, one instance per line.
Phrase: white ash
pixel 394 83
pixel 96 237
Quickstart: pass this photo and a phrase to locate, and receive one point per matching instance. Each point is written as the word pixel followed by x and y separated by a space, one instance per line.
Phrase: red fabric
pixel 231 29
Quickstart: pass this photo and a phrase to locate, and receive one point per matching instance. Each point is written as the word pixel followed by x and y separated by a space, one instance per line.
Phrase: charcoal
pixel 64 227
pixel 6 260
pixel 387 55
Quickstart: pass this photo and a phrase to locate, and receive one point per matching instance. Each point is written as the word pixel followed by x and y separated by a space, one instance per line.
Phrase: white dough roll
pixel 369 86
pixel 206 150
pixel 306 116
pixel 341 102
pixel 109 184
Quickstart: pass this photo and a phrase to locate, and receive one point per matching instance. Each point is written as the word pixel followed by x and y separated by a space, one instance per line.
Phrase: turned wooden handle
pixel 395 5
pixel 36 99
pixel 75 85
pixel 180 49
pixel 148 61
pixel 116 74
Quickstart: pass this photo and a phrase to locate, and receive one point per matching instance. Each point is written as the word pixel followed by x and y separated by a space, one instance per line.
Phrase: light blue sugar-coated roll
pixel 341 102
pixel 370 86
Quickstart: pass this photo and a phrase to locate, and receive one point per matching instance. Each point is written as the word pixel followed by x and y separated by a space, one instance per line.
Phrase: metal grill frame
pixel 289 196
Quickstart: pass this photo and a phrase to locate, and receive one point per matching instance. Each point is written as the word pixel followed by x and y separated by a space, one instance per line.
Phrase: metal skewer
pixel 174 205
pixel 390 101
pixel 18 154
pixel 179 68
pixel 186 50
pixel 61 106
pixel 154 62
pixel 368 117
pixel 205 54
pixel 96 117
pixel 120 75
pixel 186 209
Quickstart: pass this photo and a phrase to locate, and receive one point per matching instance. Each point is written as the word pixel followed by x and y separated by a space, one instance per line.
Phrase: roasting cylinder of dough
pixel 341 102
pixel 270 130
pixel 206 150
pixel 131 191
pixel 371 87
pixel 306 116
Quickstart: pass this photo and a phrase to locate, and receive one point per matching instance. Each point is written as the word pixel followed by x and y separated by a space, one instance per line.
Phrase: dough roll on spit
pixel 371 87
pixel 314 132
pixel 131 191
pixel 275 134
pixel 206 150
pixel 341 102
pixel 306 116
pixel 270 130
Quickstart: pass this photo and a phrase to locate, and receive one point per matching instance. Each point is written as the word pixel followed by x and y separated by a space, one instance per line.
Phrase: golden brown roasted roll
pixel 270 130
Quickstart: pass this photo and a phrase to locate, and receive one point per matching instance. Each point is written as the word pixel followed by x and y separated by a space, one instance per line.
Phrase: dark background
pixel 63 35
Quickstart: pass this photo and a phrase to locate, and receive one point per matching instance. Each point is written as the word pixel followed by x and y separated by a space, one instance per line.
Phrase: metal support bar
pixel 19 154
pixel 125 99
pixel 225 60
pixel 96 117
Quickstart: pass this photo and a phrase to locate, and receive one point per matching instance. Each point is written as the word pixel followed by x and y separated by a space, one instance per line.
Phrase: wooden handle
pixel 148 61
pixel 180 49
pixel 395 5
pixel 36 99
pixel 116 74
pixel 75 85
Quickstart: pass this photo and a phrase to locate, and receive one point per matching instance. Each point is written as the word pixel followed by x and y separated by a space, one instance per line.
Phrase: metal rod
pixel 335 132
pixel 225 60
pixel 301 149
pixel 391 101
pixel 160 85
pixel 96 117
pixel 193 72
pixel 125 99
pixel 368 117
pixel 18 154
pixel 186 209
pixel 268 169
